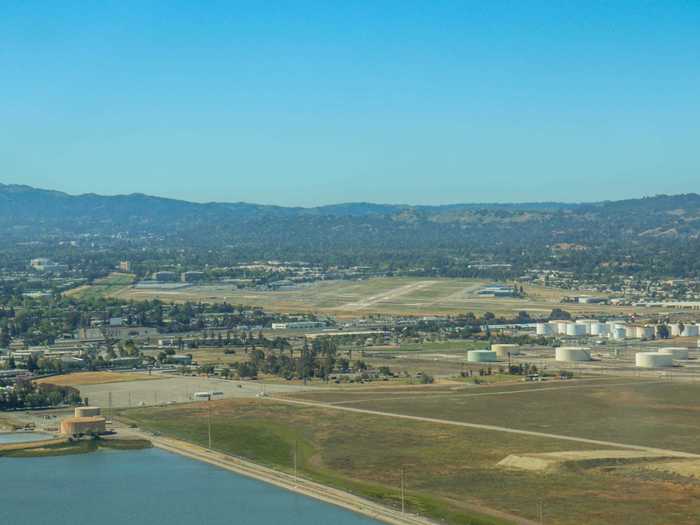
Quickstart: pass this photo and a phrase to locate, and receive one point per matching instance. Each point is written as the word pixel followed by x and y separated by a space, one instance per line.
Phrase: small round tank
pixel 481 356
pixel 572 353
pixel 653 360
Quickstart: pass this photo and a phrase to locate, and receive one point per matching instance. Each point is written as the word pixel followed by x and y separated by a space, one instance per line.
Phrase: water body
pixel 149 487
pixel 22 437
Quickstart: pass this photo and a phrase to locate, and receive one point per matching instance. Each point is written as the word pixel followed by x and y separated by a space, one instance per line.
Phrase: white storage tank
pixel 630 332
pixel 652 360
pixel 675 329
pixel 544 329
pixel 502 350
pixel 586 323
pixel 644 332
pixel 676 352
pixel 575 330
pixel 690 330
pixel 599 329
pixel 572 353
pixel 561 327
pixel 619 332
pixel 481 356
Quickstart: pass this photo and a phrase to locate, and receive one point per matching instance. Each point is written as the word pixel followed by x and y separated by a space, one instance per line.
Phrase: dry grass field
pixel 452 473
pixel 96 378
pixel 390 295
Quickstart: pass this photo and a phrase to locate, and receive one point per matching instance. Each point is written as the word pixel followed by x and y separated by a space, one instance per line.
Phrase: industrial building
pixel 87 421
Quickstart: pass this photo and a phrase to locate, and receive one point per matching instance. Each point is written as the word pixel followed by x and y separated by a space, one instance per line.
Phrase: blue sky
pixel 306 103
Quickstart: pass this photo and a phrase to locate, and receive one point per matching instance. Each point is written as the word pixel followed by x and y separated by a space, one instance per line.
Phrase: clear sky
pixel 317 102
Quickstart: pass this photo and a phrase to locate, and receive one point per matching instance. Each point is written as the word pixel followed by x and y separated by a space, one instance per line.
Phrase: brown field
pixel 385 295
pixel 450 471
pixel 95 378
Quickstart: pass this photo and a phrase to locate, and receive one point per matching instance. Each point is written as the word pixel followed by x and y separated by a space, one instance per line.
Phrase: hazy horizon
pixel 340 203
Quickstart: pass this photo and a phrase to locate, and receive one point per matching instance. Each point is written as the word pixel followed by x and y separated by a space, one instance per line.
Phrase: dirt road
pixel 480 426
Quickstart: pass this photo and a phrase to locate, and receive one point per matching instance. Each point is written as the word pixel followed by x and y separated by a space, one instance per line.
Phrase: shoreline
pixel 288 482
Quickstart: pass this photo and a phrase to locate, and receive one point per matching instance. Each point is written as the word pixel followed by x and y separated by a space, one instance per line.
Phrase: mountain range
pixel 599 231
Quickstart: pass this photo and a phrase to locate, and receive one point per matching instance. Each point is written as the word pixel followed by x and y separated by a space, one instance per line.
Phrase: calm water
pixel 22 437
pixel 148 487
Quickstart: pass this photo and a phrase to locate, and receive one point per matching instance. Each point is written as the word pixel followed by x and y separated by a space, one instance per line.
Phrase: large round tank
pixel 502 350
pixel 676 352
pixel 652 360
pixel 599 329
pixel 690 330
pixel 544 329
pixel 619 332
pixel 586 323
pixel 575 329
pixel 87 411
pixel 675 329
pixel 572 353
pixel 561 327
pixel 630 332
pixel 481 356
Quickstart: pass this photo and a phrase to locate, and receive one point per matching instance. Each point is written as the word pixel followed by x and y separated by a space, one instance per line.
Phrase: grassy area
pixel 451 472
pixel 104 287
pixel 96 378
pixel 647 413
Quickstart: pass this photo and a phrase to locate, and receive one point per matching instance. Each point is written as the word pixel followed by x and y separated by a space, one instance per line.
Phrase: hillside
pixel 629 233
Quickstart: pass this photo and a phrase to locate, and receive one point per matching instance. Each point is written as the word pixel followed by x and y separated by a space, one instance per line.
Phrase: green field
pixel 104 287
pixel 451 472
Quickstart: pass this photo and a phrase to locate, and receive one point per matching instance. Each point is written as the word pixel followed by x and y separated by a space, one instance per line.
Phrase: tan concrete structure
pixel 78 426
pixel 87 411
pixel 87 421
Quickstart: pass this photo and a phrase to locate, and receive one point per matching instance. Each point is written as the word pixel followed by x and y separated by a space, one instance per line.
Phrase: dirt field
pixel 96 378
pixel 390 295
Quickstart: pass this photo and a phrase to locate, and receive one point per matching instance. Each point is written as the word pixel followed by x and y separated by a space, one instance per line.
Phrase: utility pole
pixel 109 405
pixel 296 444
pixel 129 399
pixel 540 507
pixel 403 490
pixel 209 420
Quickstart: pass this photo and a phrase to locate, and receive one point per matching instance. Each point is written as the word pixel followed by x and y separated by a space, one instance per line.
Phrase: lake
pixel 149 487
pixel 22 437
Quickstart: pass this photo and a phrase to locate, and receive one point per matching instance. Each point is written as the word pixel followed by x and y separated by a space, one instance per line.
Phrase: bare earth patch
pixel 95 378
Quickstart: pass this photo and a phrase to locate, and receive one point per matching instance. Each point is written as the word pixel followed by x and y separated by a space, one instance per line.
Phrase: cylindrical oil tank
pixel 599 329
pixel 676 352
pixel 690 330
pixel 575 330
pixel 87 411
pixel 675 329
pixel 481 356
pixel 561 327
pixel 502 350
pixel 572 353
pixel 586 323
pixel 630 332
pixel 652 360
pixel 619 332
pixel 544 329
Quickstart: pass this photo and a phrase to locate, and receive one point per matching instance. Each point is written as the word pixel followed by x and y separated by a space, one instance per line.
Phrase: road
pixel 480 426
